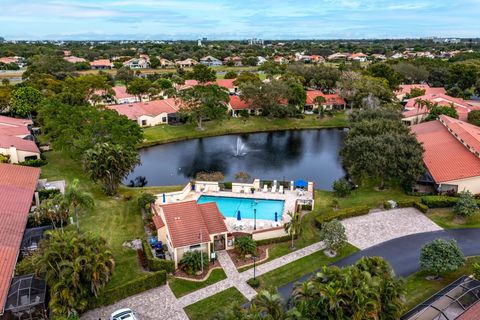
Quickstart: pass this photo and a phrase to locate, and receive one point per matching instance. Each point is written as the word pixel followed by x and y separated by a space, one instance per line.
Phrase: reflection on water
pixel 305 154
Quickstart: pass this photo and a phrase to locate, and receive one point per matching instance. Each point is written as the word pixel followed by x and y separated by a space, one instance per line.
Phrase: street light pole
pixel 254 219
pixel 254 267
pixel 201 250
pixel 283 184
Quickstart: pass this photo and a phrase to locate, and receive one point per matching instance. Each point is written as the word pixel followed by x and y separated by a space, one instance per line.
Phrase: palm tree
pixel 293 226
pixel 78 199
pixel 270 304
pixel 55 210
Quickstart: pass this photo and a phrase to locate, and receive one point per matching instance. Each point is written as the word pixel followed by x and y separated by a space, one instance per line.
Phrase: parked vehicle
pixel 123 314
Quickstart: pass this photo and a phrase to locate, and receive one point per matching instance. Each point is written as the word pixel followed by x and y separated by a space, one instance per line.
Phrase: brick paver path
pixel 154 304
pixel 160 303
pixel 377 227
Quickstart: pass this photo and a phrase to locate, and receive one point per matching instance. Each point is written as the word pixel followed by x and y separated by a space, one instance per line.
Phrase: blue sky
pixel 229 19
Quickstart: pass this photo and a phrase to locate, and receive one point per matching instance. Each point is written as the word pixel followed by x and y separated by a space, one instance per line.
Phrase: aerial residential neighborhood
pixel 221 160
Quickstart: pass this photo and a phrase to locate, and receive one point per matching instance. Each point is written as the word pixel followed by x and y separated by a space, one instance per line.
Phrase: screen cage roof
pixel 25 293
pixel 449 303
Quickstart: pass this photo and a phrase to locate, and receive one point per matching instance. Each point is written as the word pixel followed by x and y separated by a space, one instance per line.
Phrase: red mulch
pixel 181 273
pixel 239 262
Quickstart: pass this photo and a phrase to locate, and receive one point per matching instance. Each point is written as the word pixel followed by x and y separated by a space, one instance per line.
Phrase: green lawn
pixel 166 133
pixel 446 219
pixel 182 287
pixel 209 307
pixel 419 289
pixel 301 267
pixel 117 219
pixel 365 195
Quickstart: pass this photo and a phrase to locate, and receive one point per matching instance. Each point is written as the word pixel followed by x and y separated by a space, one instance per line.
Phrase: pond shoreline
pixel 207 134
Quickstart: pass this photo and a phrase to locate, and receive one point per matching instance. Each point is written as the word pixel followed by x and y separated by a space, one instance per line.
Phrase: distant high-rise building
pixel 199 43
pixel 204 39
pixel 255 41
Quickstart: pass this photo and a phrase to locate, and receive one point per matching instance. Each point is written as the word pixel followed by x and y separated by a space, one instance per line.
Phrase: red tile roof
pixel 19 143
pixel 151 108
pixel 121 92
pixel 226 83
pixel 157 220
pixel 472 313
pixel 330 99
pixel 469 133
pixel 446 158
pixel 101 63
pixel 187 220
pixel 17 122
pixel 406 88
pixel 17 185
pixel 462 106
pixel 238 104
pixel 14 131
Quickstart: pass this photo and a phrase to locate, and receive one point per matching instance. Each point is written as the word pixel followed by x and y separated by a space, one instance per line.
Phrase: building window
pixel 194 247
pixel 144 122
pixel 164 119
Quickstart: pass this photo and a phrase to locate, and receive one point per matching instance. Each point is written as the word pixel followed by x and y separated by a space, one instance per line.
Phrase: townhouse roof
pixel 7 60
pixel 186 61
pixel 462 106
pixel 446 157
pixel 190 223
pixel 238 104
pixel 17 185
pixel 14 131
pixel 9 121
pixel 151 108
pixel 19 143
pixel 73 59
pixel 158 221
pixel 406 88
pixel 333 98
pixel 101 63
pixel 121 92
pixel 209 58
pixel 226 83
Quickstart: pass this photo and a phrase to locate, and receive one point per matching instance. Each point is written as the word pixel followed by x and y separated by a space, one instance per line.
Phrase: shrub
pixel 127 289
pixel 412 203
pixel 47 194
pixel 145 199
pixel 441 256
pixel 272 240
pixel 254 283
pixel 476 270
pixel 439 201
pixel 34 163
pixel 155 264
pixel 342 187
pixel 333 235
pixel 474 117
pixel 342 214
pixel 228 185
pixel 387 205
pixel 209 176
pixel 245 245
pixel 191 262
pixel 466 204
pixel 242 176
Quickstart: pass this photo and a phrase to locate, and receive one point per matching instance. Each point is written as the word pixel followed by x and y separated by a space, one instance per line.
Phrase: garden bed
pixel 262 254
pixel 182 274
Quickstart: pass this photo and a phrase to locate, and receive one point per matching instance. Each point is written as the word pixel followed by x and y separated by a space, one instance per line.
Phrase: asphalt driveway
pixel 403 253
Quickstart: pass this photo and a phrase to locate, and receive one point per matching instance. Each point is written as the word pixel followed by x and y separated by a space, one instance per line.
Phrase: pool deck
pixel 290 198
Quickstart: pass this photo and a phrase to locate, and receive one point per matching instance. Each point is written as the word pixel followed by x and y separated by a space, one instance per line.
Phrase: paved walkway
pixel 238 280
pixel 404 253
pixel 380 226
pixel 154 304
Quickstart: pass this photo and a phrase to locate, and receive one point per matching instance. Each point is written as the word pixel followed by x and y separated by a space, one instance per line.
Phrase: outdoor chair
pixel 274 188
pixel 280 190
pixel 265 188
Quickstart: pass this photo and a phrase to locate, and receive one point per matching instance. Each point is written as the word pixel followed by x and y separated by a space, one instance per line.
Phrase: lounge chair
pixel 265 188
pixel 280 189
pixel 274 188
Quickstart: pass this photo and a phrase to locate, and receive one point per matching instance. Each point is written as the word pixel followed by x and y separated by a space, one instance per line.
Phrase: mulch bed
pixel 239 262
pixel 183 274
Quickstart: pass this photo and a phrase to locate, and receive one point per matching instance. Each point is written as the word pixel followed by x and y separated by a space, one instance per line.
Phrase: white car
pixel 123 314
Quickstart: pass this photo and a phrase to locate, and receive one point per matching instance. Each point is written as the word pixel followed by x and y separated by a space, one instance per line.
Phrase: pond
pixel 296 154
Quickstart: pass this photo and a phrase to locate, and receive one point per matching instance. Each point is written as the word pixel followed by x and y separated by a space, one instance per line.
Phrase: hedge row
pixel 342 214
pixel 155 264
pixel 407 204
pixel 273 240
pixel 128 289
pixel 441 201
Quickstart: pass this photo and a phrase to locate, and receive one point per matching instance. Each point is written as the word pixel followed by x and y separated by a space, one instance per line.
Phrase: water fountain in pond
pixel 240 149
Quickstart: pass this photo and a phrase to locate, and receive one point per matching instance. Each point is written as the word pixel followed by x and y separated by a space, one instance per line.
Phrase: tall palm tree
pixel 78 199
pixel 293 227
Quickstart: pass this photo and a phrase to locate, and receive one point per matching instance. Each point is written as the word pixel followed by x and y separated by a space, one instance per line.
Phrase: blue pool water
pixel 230 206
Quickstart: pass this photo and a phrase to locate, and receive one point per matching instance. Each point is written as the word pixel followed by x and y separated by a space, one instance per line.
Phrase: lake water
pixel 311 155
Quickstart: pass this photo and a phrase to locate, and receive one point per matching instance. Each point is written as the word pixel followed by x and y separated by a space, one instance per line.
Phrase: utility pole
pixel 201 250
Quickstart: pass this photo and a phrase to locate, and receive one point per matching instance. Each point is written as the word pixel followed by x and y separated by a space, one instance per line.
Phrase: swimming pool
pixel 230 206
